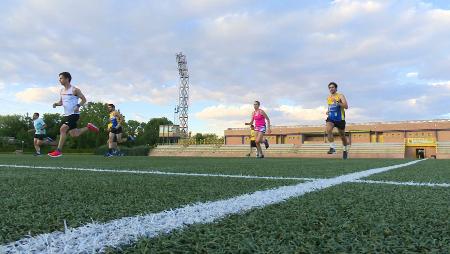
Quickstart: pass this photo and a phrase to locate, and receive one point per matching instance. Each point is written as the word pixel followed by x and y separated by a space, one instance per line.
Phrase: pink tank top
pixel 260 120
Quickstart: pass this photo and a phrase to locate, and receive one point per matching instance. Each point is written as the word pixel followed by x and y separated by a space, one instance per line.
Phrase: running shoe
pixel 92 127
pixel 109 155
pixel 266 143
pixel 131 138
pixel 345 155
pixel 49 140
pixel 261 156
pixel 55 154
pixel 37 154
pixel 331 151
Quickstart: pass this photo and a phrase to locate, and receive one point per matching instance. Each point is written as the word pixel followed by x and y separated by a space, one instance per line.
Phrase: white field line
pixel 153 172
pixel 405 183
pixel 143 171
pixel 95 237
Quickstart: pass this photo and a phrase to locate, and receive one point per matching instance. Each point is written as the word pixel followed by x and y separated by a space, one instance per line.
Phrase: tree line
pixel 14 128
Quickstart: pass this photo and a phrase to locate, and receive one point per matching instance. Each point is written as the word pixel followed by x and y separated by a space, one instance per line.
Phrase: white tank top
pixel 69 101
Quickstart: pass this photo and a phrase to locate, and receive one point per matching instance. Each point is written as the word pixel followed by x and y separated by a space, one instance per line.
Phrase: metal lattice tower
pixel 183 95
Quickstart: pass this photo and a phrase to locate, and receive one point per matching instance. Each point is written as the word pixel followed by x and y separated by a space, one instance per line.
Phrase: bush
pixel 128 151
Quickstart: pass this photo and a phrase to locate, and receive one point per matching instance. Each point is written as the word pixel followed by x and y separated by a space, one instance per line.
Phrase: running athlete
pixel 337 104
pixel 40 136
pixel 115 130
pixel 259 117
pixel 252 140
pixel 69 97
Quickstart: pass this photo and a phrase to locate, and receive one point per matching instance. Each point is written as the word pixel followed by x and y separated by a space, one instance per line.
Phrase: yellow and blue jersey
pixel 335 111
pixel 113 121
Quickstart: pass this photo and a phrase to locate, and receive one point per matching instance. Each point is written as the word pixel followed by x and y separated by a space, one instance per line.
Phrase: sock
pixel 58 149
pixel 38 152
pixel 333 145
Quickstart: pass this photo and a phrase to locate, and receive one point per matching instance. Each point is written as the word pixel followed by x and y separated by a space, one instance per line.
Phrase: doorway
pixel 420 153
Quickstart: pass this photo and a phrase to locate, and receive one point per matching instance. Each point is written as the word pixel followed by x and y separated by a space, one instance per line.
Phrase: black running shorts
pixel 252 143
pixel 40 136
pixel 338 124
pixel 118 130
pixel 71 121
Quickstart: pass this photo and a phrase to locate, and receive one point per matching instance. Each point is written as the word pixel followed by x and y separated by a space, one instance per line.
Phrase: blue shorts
pixel 260 128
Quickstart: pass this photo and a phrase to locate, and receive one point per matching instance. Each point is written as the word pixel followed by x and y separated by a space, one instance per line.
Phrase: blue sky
pixel 390 58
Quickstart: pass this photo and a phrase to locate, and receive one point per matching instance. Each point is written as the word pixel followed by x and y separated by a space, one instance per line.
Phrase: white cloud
pixel 237 51
pixel 39 95
pixel 445 84
pixel 412 75
pixel 299 113
pixel 223 112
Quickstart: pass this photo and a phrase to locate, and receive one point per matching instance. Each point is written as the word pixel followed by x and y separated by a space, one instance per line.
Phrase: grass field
pixel 47 195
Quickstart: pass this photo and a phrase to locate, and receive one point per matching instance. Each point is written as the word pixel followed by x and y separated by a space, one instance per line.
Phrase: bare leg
pixel 343 138
pixel 77 132
pixel 62 136
pixel 258 141
pixel 329 130
pixel 37 146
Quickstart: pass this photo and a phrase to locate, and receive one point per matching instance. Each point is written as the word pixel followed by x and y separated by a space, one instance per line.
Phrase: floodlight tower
pixel 183 95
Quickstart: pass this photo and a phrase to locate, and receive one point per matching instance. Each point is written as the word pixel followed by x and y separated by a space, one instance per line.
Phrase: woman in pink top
pixel 259 119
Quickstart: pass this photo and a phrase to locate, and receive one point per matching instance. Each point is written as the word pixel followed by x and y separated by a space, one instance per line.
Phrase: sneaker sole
pixel 54 156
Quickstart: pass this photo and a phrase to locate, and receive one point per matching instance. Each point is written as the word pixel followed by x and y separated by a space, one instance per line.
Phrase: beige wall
pixel 360 137
pixel 394 137
pixel 380 132
pixel 234 140
pixel 293 139
pixel 443 136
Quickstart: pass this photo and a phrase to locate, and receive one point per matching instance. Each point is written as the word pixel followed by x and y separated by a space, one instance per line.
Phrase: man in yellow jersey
pixel 252 139
pixel 115 130
pixel 337 104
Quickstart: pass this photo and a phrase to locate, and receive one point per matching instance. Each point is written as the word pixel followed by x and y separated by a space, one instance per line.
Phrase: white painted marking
pixel 153 172
pixel 96 237
pixel 404 183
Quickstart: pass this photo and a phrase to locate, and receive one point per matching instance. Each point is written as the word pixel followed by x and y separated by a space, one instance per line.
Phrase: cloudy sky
pixel 390 58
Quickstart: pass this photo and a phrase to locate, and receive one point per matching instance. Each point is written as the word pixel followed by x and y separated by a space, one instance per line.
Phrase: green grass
pixel 434 171
pixel 349 218
pixel 39 201
pixel 288 167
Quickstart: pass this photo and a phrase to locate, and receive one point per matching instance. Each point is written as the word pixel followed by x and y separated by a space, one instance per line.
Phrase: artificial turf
pixel 429 171
pixel 37 201
pixel 286 167
pixel 349 218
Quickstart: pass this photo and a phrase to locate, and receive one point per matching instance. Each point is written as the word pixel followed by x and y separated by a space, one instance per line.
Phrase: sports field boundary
pixel 411 183
pixel 95 237
pixel 157 172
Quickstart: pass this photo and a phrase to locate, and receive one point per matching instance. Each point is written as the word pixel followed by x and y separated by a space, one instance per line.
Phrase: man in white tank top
pixel 69 99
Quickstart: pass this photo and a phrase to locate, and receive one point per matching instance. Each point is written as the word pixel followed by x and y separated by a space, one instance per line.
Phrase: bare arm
pixel 268 121
pixel 77 92
pixel 343 102
pixel 119 118
pixel 59 103
pixel 80 95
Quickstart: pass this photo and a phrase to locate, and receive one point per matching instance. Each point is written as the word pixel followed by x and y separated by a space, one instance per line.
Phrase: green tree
pixel 150 133
pixel 135 128
pixel 96 113
pixel 53 122
pixel 10 125
pixel 17 126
